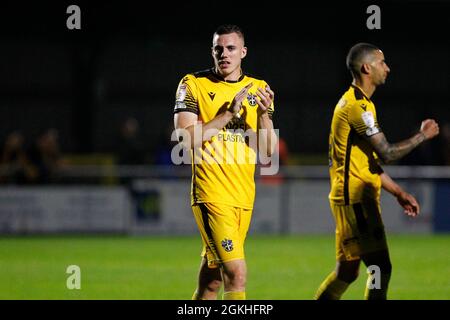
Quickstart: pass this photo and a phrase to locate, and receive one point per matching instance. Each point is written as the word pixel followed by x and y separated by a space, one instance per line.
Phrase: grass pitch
pixel 165 268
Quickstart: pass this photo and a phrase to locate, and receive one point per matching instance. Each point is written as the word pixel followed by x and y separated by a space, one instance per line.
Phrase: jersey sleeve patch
pixel 369 121
pixel 362 118
pixel 184 99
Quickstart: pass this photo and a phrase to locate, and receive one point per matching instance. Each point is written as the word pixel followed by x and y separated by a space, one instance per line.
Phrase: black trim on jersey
pixel 205 219
pixel 194 175
pixel 211 72
pixel 359 95
pixel 254 77
pixel 219 77
pixel 176 110
pixel 348 152
pixel 203 73
pixel 361 222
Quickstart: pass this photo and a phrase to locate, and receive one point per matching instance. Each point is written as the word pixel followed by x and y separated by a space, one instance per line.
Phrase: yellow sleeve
pixel 363 118
pixel 186 96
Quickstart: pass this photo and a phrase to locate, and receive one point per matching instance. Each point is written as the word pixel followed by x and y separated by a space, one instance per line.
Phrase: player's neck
pixel 366 87
pixel 233 76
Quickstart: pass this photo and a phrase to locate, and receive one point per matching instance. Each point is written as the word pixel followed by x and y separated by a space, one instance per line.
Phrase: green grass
pixel 166 267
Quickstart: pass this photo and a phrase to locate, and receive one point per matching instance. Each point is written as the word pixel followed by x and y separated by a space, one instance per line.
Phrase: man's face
pixel 228 50
pixel 379 68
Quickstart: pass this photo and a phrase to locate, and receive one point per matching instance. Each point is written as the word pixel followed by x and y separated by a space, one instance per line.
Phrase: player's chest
pixel 213 100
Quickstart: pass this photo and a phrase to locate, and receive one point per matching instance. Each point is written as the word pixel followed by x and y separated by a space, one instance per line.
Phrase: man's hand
pixel 265 99
pixel 236 104
pixel 409 204
pixel 429 129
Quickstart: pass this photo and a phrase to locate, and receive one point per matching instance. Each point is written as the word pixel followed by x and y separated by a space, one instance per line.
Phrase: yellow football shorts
pixel 359 229
pixel 223 230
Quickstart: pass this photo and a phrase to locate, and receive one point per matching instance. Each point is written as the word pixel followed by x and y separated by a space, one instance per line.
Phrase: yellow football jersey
pixel 354 165
pixel 223 168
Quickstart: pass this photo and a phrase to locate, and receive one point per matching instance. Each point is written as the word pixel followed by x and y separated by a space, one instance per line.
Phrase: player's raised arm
pixel 269 139
pixel 407 201
pixel 186 123
pixel 390 152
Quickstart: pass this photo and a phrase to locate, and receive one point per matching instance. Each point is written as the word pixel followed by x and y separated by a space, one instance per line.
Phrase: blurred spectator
pixel 164 145
pixel 15 164
pixel 283 154
pixel 45 156
pixel 130 149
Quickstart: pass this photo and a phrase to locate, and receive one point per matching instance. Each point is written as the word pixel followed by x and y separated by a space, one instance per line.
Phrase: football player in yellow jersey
pixel 218 115
pixel 357 146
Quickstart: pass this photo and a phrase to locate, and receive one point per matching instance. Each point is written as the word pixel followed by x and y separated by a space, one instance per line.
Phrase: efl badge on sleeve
pixel 369 121
pixel 181 94
pixel 342 102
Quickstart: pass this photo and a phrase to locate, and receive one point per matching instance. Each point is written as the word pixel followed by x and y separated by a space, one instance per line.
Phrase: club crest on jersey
pixel 251 98
pixel 227 245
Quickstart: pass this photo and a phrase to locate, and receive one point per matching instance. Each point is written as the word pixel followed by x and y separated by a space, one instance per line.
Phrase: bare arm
pixel 194 133
pixel 269 138
pixel 407 201
pixel 391 152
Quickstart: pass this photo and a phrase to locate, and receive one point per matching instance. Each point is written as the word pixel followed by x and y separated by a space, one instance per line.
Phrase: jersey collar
pixel 361 91
pixel 219 77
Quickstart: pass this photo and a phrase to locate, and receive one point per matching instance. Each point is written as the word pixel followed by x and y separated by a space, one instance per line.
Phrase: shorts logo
pixel 251 98
pixel 227 245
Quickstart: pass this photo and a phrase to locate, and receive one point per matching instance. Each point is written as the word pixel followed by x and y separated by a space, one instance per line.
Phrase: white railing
pixel 184 171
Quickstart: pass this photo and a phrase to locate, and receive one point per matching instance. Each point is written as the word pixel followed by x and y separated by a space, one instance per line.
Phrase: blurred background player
pixel 130 149
pixel 356 146
pixel 218 101
pixel 15 161
pixel 45 156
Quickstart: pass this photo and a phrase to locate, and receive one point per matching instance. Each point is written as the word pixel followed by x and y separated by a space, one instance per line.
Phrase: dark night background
pixel 128 57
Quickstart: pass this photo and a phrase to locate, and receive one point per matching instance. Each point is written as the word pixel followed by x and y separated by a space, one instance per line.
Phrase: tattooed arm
pixel 390 152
